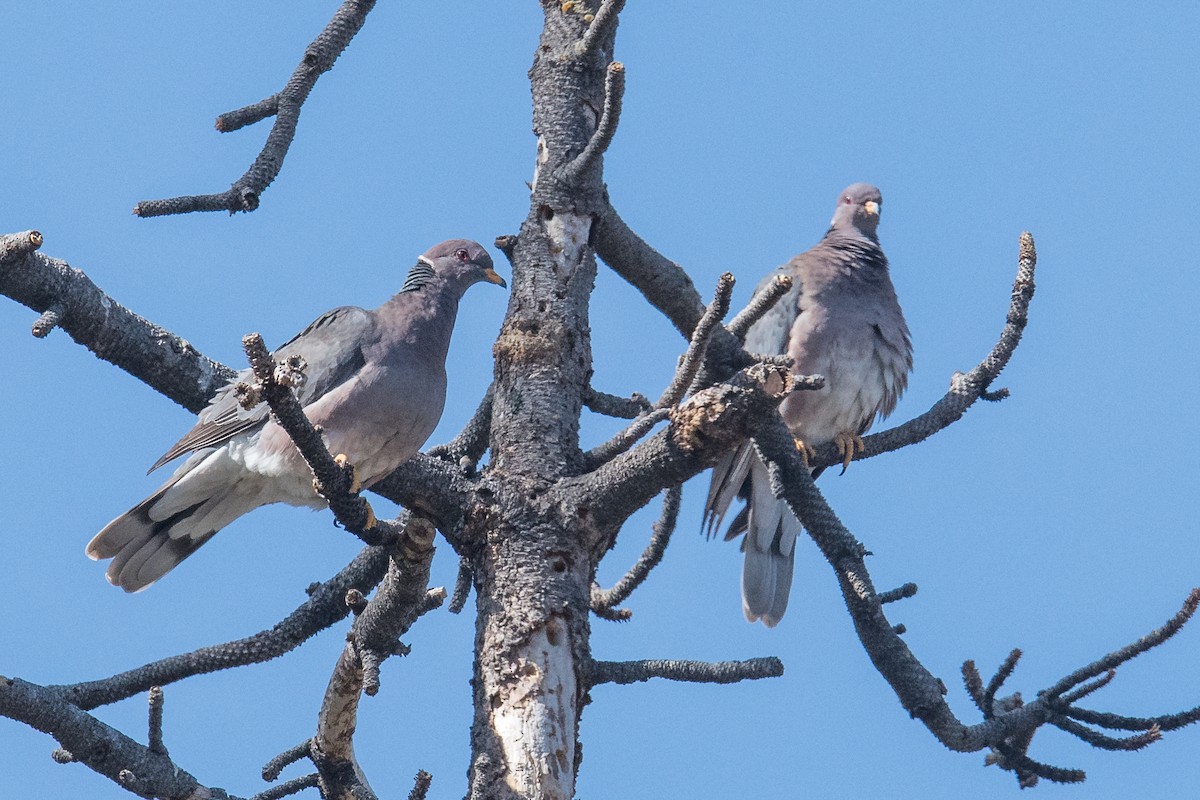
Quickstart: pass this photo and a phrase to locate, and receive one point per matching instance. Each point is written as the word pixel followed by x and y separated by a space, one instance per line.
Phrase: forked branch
pixel 285 106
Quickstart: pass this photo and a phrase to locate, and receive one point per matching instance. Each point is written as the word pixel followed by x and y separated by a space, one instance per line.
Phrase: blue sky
pixel 1061 521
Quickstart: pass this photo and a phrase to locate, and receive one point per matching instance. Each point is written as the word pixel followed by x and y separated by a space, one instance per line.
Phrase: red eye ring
pixel 461 254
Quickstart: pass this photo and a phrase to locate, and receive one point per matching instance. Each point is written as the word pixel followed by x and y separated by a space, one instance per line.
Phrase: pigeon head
pixel 858 209
pixel 457 262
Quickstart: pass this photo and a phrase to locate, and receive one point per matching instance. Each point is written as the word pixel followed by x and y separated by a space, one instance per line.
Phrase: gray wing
pixel 768 336
pixel 332 347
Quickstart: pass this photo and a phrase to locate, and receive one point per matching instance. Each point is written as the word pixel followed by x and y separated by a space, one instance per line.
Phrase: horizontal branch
pixel 625 672
pixel 610 405
pixel 157 357
pixel 285 106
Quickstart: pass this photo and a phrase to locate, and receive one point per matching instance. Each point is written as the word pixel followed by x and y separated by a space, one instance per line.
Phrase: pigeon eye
pixel 461 254
pixel 846 200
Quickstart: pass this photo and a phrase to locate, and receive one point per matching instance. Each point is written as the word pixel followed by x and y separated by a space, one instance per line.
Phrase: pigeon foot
pixel 848 444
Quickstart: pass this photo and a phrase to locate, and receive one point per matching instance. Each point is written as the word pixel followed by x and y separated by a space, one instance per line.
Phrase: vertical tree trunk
pixel 533 574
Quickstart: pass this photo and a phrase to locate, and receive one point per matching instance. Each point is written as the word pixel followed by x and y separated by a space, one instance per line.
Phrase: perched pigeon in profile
pixel 376 384
pixel 841 320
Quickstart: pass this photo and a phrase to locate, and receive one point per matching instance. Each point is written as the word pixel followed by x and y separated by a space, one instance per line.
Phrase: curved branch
pixel 318 59
pixel 965 389
pixel 325 607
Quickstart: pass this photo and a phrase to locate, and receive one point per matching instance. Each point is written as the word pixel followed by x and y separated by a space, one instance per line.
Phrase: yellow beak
pixel 871 207
pixel 491 276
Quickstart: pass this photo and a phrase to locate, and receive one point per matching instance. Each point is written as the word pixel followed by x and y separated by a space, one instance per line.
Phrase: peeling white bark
pixel 569 235
pixel 535 715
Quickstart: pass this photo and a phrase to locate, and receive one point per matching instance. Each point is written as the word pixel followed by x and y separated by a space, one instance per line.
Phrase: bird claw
pixel 371 520
pixel 343 461
pixel 848 444
pixel 806 450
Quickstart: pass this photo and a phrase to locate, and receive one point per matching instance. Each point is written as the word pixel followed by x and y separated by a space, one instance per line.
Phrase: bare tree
pixel 532 522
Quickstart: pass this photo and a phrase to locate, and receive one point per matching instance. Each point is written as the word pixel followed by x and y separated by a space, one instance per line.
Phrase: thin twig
pixel 48 321
pixel 605 599
pixel 610 405
pixel 155 737
pixel 421 785
pixel 272 769
pixel 244 194
pixel 462 586
pixel 465 449
pixel 759 305
pixel 694 357
pixel 899 593
pixel 294 786
pixel 1097 739
pixel 1119 722
pixel 604 21
pixel 1118 657
pixel 606 128
pixel 973 683
pixel 1002 674
pixel 625 439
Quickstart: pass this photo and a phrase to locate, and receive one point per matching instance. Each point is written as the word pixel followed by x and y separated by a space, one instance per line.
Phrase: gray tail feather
pixel 766 583
pixel 142 550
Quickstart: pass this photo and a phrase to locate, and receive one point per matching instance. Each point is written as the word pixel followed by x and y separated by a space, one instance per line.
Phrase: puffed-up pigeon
pixel 375 383
pixel 840 319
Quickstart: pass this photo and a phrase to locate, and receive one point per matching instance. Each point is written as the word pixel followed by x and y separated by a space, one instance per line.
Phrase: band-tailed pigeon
pixel 376 384
pixel 840 319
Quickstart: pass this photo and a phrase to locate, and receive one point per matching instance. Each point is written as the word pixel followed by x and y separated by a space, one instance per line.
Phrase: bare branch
pixel 625 438
pixel 965 389
pixel 244 194
pixel 1119 657
pixel 1166 722
pixel 899 593
pixel 465 449
pixel 610 405
pixel 1070 698
pixel 601 26
pixel 294 786
pixel 324 608
pixel 96 745
pixel 155 737
pixel 48 321
pixel 334 480
pixel 689 671
pixel 1096 739
pixel 15 246
pixel 462 586
pixel 694 357
pixel 662 282
pixel 606 128
pixel 421 784
pixel 400 600
pixel 604 600
pixel 758 306
pixel 248 115
pixel 973 683
pixel 1002 674
pixel 272 769
pixel 165 362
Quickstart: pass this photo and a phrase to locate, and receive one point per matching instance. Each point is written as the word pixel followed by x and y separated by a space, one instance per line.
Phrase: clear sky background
pixel 1061 521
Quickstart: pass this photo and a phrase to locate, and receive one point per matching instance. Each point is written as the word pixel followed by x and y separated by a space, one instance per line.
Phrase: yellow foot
pixel 848 444
pixel 371 521
pixel 343 460
pixel 807 453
